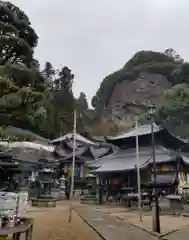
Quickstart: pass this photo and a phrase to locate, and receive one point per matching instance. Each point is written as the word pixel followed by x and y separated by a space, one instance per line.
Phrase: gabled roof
pixel 82 152
pixel 162 136
pixel 100 151
pixel 141 131
pixel 69 136
pixel 90 152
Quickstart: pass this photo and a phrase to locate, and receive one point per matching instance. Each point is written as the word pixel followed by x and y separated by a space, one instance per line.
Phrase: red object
pixel 114 181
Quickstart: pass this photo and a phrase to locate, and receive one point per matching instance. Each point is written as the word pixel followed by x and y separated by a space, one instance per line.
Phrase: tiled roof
pixel 100 151
pixel 69 136
pixel 126 159
pixel 11 131
pixel 142 130
pixel 32 156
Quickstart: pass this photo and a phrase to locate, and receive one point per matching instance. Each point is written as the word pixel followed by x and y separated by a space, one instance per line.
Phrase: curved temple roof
pixel 79 138
pixel 124 160
pixel 142 130
pixel 162 136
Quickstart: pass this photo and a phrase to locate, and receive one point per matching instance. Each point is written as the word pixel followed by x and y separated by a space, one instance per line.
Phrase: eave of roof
pixel 79 138
pixel 124 160
pixel 140 131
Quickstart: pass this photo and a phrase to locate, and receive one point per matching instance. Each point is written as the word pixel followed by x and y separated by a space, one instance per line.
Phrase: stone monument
pixel 62 187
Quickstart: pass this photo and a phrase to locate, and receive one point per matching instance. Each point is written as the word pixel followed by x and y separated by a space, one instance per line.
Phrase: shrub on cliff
pixel 173 110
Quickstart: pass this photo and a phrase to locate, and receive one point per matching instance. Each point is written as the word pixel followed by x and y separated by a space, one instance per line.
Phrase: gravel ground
pixel 52 224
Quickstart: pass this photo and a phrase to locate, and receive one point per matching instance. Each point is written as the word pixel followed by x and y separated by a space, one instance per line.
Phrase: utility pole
pixel 138 173
pixel 73 167
pixel 155 207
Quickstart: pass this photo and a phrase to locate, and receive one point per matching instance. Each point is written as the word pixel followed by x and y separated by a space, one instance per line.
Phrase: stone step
pixel 89 201
pixel 89 197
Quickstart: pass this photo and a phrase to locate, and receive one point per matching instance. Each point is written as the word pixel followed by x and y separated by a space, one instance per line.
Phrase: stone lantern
pixel 45 182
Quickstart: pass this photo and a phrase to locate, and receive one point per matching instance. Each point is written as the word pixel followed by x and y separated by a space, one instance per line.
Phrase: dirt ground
pixel 52 224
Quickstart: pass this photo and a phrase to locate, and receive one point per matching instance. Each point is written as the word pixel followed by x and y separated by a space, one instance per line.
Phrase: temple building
pixel 171 154
pixel 30 157
pixel 57 154
pixel 86 151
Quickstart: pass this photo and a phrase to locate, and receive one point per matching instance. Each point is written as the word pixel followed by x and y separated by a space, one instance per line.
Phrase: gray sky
pixel 96 37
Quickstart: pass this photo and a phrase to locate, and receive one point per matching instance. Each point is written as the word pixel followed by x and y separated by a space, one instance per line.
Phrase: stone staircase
pixel 89 199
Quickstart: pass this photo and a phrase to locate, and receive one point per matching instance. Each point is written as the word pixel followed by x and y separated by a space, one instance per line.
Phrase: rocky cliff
pixel 124 95
pixel 129 99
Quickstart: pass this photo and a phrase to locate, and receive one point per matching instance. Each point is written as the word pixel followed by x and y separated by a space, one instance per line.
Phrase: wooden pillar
pixel 16 236
pixel 65 168
pixel 31 232
pixel 81 170
pixel 97 179
pixel 27 234
pixel 128 180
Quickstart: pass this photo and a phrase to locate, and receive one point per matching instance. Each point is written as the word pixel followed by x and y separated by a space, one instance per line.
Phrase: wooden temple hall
pixel 171 153
pixel 56 155
pixel 86 152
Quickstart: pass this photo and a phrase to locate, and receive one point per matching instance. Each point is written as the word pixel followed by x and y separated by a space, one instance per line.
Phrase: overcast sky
pixel 96 37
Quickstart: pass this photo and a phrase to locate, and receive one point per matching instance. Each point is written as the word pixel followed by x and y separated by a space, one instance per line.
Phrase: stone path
pixel 181 234
pixel 110 228
pixel 52 224
pixel 168 223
